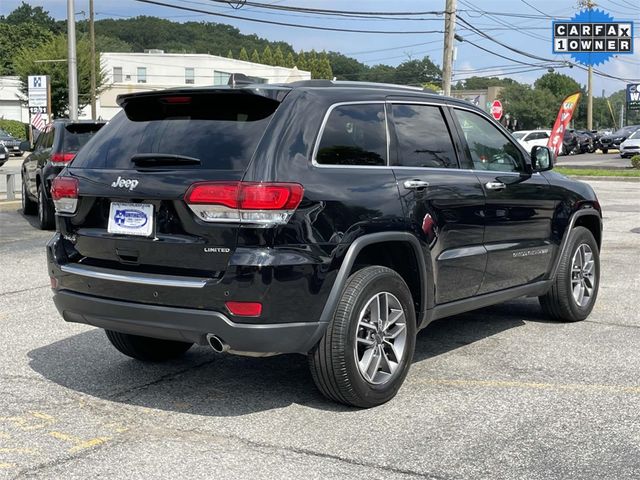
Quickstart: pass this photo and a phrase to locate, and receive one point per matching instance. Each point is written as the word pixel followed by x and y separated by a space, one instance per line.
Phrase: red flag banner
pixel 562 122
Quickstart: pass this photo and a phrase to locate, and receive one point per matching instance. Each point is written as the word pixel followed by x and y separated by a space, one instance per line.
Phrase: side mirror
pixel 25 146
pixel 542 158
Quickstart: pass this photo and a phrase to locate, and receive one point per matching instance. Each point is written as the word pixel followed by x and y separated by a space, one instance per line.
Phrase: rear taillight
pixel 62 158
pixel 244 202
pixel 64 193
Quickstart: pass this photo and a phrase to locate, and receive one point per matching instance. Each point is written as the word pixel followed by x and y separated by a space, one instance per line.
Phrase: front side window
pixel 354 135
pixel 423 137
pixel 489 148
pixel 189 76
pixel 142 74
pixel 117 74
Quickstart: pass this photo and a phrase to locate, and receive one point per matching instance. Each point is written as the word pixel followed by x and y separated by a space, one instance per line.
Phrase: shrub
pixel 15 128
pixel 635 161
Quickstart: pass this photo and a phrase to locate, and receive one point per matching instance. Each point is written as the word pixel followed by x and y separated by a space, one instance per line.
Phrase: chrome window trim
pixel 316 147
pixel 134 277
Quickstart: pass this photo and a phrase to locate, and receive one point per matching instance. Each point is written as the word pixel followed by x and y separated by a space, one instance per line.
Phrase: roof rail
pixel 348 83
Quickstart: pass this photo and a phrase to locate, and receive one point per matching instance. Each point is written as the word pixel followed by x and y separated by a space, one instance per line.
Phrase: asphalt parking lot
pixel 500 393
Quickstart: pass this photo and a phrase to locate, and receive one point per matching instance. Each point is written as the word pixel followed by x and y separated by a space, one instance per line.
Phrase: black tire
pixel 145 348
pixel 46 212
pixel 559 302
pixel 29 207
pixel 333 361
pixel 605 150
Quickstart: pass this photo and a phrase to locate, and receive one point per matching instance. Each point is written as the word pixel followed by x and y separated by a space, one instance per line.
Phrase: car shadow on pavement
pixel 210 384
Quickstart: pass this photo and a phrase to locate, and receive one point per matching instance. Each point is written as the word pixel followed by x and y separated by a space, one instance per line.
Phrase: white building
pixel 155 70
pixel 13 104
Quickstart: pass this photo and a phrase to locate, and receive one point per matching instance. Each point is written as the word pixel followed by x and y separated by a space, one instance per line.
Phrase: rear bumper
pixel 187 325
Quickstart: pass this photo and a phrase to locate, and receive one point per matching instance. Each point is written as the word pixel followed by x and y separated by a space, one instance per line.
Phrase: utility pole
pixel 73 62
pixel 449 33
pixel 92 39
pixel 589 4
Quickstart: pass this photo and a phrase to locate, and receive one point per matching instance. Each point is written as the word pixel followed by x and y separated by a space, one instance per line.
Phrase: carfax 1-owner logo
pixel 592 37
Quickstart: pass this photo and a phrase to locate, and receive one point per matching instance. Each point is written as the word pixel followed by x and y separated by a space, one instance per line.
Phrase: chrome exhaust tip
pixel 216 343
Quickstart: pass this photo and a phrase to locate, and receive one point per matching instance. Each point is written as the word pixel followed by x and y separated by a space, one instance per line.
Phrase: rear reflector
pixel 64 193
pixel 244 309
pixel 62 158
pixel 244 202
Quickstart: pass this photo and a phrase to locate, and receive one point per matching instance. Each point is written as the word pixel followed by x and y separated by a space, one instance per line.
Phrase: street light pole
pixel 73 63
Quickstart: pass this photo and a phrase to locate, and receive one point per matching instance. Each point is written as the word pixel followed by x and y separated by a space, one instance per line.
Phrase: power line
pixel 285 24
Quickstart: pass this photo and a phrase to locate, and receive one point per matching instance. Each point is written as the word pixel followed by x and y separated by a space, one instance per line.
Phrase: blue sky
pixel 532 35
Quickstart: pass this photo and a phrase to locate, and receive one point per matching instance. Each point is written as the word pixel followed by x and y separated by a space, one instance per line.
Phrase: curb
pixel 604 178
pixel 6 206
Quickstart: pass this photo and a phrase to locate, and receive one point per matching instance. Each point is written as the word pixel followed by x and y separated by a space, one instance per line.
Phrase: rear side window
pixel 222 130
pixel 354 135
pixel 75 136
pixel 423 137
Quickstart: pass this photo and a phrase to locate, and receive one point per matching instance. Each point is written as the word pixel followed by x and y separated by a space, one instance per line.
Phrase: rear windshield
pixel 76 135
pixel 221 130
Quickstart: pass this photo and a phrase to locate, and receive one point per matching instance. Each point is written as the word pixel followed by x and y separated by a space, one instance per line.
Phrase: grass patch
pixel 598 172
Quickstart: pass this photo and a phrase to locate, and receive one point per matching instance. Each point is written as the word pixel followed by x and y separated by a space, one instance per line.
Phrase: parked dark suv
pixel 331 219
pixel 53 150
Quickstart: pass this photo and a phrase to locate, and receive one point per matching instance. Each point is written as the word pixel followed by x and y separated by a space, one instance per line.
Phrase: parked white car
pixel 529 138
pixel 631 146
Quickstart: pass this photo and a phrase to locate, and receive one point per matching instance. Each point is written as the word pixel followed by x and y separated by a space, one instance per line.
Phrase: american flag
pixel 38 122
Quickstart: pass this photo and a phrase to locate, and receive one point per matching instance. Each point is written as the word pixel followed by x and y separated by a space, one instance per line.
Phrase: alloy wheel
pixel 380 338
pixel 583 279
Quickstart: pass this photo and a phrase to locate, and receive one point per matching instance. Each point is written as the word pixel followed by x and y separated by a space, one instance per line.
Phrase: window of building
pixel 117 74
pixel 490 149
pixel 189 76
pixel 354 135
pixel 221 78
pixel 423 137
pixel 142 74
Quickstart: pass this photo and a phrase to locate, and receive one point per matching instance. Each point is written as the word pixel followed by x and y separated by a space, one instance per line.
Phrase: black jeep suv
pixel 332 219
pixel 53 150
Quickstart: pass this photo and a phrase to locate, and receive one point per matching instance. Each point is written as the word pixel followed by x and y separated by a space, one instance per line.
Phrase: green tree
pixel 289 62
pixel 278 57
pixel 26 63
pixel 267 56
pixel 111 44
pixel 482 83
pixel 301 61
pixel 557 83
pixel 13 38
pixel 243 55
pixel 380 73
pixel 533 108
pixel 25 13
pixel 323 68
pixel 255 56
pixel 230 54
pixel 312 63
pixel 346 68
pixel 417 72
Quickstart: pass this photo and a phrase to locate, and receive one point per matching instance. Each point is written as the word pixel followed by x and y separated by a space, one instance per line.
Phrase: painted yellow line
pixel 7 465
pixel 43 416
pixel 632 389
pixel 89 444
pixel 79 443
pixel 65 437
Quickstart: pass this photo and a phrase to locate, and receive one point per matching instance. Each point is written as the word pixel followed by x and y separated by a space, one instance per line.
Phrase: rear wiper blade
pixel 163 159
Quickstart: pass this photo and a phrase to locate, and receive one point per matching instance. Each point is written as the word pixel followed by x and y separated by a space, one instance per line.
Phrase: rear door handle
pixel 415 184
pixel 495 186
